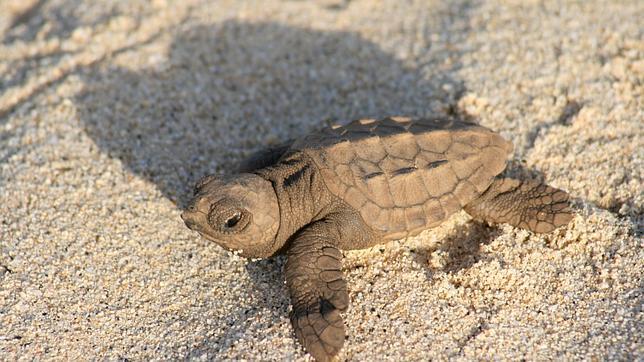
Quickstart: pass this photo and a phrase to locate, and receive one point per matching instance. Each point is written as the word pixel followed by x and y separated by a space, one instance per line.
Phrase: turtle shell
pixel 405 175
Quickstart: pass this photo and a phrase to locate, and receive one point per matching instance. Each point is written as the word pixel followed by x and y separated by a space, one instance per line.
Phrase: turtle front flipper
pixel 526 204
pixel 318 290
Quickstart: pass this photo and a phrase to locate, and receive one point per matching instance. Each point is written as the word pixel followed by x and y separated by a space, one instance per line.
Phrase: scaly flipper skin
pixel 318 290
pixel 526 204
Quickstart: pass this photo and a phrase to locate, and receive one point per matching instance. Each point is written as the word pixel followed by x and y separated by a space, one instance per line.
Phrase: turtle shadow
pixel 460 249
pixel 226 90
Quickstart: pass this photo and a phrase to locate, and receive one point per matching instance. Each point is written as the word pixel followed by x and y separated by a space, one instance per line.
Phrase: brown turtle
pixel 355 186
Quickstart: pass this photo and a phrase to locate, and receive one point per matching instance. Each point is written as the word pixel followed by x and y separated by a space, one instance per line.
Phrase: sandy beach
pixel 110 111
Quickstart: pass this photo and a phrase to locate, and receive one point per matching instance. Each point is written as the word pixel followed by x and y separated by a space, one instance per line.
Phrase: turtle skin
pixel 356 186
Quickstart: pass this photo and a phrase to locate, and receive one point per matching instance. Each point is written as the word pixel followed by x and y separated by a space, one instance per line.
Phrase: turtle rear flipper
pixel 318 290
pixel 526 204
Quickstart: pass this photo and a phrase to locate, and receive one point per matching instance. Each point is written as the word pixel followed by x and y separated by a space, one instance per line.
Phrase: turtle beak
pixel 190 219
pixel 192 216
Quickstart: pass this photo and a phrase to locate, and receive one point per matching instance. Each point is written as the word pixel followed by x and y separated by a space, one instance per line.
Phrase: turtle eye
pixel 228 218
pixel 233 220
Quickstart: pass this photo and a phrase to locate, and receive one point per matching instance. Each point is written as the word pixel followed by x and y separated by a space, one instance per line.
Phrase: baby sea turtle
pixel 355 186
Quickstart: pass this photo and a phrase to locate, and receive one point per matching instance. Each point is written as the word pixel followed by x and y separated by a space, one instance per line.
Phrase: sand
pixel 111 110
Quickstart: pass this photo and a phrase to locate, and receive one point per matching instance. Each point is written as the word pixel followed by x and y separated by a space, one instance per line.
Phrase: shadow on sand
pixel 226 90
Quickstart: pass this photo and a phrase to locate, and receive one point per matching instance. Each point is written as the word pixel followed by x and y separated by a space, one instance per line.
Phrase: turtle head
pixel 238 213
